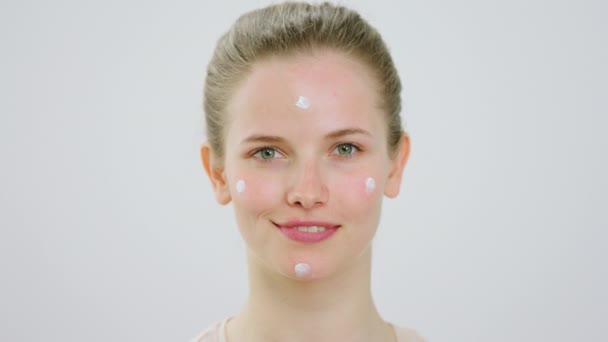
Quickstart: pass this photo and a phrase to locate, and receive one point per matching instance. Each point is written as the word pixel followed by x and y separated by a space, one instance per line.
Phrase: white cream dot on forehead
pixel 240 186
pixel 303 102
pixel 302 270
pixel 370 184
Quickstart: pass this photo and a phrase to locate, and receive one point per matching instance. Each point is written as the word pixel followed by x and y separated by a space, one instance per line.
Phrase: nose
pixel 308 189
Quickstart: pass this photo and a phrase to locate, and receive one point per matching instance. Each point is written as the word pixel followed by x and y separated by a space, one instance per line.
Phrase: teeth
pixel 312 229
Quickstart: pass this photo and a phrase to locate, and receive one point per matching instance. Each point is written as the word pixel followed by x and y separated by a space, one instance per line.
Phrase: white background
pixel 109 230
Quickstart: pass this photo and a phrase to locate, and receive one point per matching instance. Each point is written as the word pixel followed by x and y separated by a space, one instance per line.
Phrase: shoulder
pixel 406 334
pixel 214 333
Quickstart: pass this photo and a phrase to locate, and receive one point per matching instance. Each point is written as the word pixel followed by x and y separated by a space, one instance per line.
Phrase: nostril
pixel 307 194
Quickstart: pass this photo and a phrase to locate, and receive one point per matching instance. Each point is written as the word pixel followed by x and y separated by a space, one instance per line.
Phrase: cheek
pixel 259 193
pixel 259 197
pixel 256 192
pixel 357 202
pixel 357 188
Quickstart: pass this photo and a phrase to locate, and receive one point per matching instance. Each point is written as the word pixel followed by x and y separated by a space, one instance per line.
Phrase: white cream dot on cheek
pixel 303 102
pixel 240 186
pixel 370 185
pixel 302 270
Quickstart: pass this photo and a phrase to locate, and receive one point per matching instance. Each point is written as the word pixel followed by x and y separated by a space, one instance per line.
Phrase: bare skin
pixel 336 309
pixel 307 177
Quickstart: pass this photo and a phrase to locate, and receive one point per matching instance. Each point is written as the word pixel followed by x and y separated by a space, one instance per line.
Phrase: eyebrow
pixel 347 131
pixel 332 135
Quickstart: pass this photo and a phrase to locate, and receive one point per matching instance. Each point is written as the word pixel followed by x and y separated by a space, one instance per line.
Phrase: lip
pixel 288 230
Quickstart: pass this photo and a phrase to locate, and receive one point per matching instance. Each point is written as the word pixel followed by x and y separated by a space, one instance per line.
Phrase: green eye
pixel 345 149
pixel 267 153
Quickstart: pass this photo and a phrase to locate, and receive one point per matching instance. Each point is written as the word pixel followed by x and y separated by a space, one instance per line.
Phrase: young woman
pixel 302 107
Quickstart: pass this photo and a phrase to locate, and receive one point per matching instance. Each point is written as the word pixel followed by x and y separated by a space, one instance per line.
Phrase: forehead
pixel 340 90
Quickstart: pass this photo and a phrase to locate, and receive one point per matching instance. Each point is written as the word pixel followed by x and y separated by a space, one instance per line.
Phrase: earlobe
pixel 393 183
pixel 216 174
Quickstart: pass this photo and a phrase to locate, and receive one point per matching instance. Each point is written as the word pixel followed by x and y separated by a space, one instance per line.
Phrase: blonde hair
pixel 283 30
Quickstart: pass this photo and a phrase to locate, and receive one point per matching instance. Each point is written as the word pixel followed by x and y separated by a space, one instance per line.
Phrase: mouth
pixel 307 231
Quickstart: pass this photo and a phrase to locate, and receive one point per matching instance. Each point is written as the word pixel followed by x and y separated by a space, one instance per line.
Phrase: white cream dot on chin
pixel 302 270
pixel 370 185
pixel 240 186
pixel 303 102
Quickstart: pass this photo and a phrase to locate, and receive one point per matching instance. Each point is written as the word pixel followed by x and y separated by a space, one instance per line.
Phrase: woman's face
pixel 306 145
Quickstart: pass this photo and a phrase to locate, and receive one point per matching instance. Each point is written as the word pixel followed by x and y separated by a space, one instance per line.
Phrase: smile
pixel 307 231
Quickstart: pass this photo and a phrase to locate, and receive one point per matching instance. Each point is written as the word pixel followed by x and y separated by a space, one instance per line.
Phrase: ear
pixel 217 176
pixel 393 183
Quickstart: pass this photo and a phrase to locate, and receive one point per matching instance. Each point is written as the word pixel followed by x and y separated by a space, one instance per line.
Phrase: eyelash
pixel 356 150
pixel 259 150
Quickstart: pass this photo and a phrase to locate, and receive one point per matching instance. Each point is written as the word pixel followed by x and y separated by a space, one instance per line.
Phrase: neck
pixel 337 308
